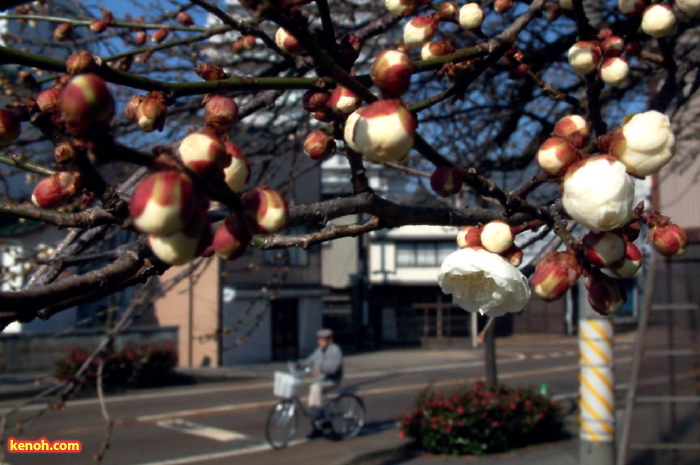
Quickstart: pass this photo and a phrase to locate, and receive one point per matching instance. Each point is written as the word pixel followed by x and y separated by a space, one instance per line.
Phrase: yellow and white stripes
pixel 596 380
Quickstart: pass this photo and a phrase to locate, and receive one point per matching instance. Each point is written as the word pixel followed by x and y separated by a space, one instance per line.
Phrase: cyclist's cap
pixel 324 333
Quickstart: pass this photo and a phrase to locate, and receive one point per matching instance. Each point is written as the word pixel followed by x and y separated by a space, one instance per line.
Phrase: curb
pixel 377 456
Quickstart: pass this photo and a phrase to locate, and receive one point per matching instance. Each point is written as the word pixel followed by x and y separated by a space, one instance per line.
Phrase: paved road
pixel 217 422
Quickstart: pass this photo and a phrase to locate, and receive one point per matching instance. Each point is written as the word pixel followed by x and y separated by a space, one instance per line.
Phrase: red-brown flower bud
pixel 49 101
pixel 186 244
pixel 56 189
pixel 419 30
pixel 343 101
pixel 81 62
pixel 64 152
pixel 325 115
pixel 630 264
pixel 556 155
pixel 237 173
pixel 469 236
pixel 159 35
pixel 603 249
pixel 318 145
pixel 210 72
pixel 514 255
pixel 220 113
pixel 87 105
pixel 448 10
pixel 266 210
pixel 446 181
pixel 231 239
pixel 133 106
pixel 502 6
pixel 204 154
pixel 10 128
pixel 613 46
pixel 150 113
pixel 555 274
pixel 185 19
pixel 63 31
pixel 287 42
pixel 631 8
pixel 163 202
pixel 669 240
pixel 140 38
pixel 605 294
pixel 574 129
pixel 436 49
pixel 98 26
pixel 584 57
pixel 315 100
pixel 391 73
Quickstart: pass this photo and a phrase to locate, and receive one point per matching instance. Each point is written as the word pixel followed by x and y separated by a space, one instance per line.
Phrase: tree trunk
pixel 490 356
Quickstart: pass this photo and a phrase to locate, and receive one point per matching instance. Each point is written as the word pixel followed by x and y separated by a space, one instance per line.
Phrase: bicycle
pixel 344 414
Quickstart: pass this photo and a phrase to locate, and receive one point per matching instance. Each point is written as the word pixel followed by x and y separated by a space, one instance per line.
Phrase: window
pixel 423 253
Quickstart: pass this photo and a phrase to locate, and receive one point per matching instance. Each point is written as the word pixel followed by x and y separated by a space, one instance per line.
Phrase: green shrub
pixel 480 421
pixel 143 366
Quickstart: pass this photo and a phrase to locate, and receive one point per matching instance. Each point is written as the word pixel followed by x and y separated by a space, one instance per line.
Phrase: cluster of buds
pixel 496 237
pixel 391 73
pixel 558 153
pixel 605 52
pixel 246 42
pixel 148 111
pixel 382 132
pixel 56 189
pixel 220 113
pixel 87 106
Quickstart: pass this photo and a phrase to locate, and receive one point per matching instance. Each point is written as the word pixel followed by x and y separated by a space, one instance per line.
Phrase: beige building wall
pixel 339 258
pixel 198 297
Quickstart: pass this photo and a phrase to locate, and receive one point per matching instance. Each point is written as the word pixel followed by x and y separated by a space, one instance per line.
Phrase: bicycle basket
pixel 286 385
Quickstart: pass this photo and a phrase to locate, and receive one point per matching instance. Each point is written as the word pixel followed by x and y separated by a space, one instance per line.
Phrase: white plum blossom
pixel 598 193
pixel 646 144
pixel 483 281
pixel 658 21
pixel 471 16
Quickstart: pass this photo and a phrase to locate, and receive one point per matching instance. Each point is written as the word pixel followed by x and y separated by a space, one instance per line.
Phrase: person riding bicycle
pixel 326 364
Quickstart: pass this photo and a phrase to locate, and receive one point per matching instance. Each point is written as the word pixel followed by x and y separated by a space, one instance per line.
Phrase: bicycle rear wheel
pixel 346 415
pixel 282 423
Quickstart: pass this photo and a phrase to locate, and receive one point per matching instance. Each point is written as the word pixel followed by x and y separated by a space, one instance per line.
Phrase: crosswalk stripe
pixel 209 432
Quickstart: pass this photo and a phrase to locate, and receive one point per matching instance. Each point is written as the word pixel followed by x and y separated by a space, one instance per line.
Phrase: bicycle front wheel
pixel 282 423
pixel 346 415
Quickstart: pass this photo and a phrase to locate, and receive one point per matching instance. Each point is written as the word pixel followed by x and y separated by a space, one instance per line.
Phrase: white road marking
pixel 555 354
pixel 570 353
pixel 539 356
pixel 209 432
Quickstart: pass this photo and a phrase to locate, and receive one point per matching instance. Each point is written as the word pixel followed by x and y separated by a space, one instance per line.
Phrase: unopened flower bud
pixel 419 30
pixel 432 50
pixel 603 249
pixel 87 105
pixel 318 145
pixel 140 38
pixel 614 71
pixel 382 132
pixel 391 73
pixel 469 236
pixel 669 240
pixel 63 31
pixel 658 21
pixel 688 6
pixel 184 245
pixel 605 294
pixel 64 152
pixel 514 255
pixel 471 16
pixel 248 42
pixel 343 101
pixel 266 210
pixel 613 46
pixel 204 154
pixel 574 128
pixel 237 173
pixel 287 42
pixel 220 113
pixel 231 239
pixel 631 8
pixel 446 181
pixel 49 101
pixel 159 35
pixel 401 7
pixel 163 202
pixel 56 189
pixel 630 263
pixel 502 6
pixel 10 128
pixel 598 193
pixel 556 155
pixel 80 63
pixel 185 19
pixel 448 10
pixel 98 26
pixel 556 273
pixel 631 231
pixel 584 57
pixel 315 100
pixel 210 72
pixel 497 236
pixel 150 114
pixel 644 144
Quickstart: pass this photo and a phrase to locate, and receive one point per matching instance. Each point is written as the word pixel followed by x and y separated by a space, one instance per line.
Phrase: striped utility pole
pixel 597 394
